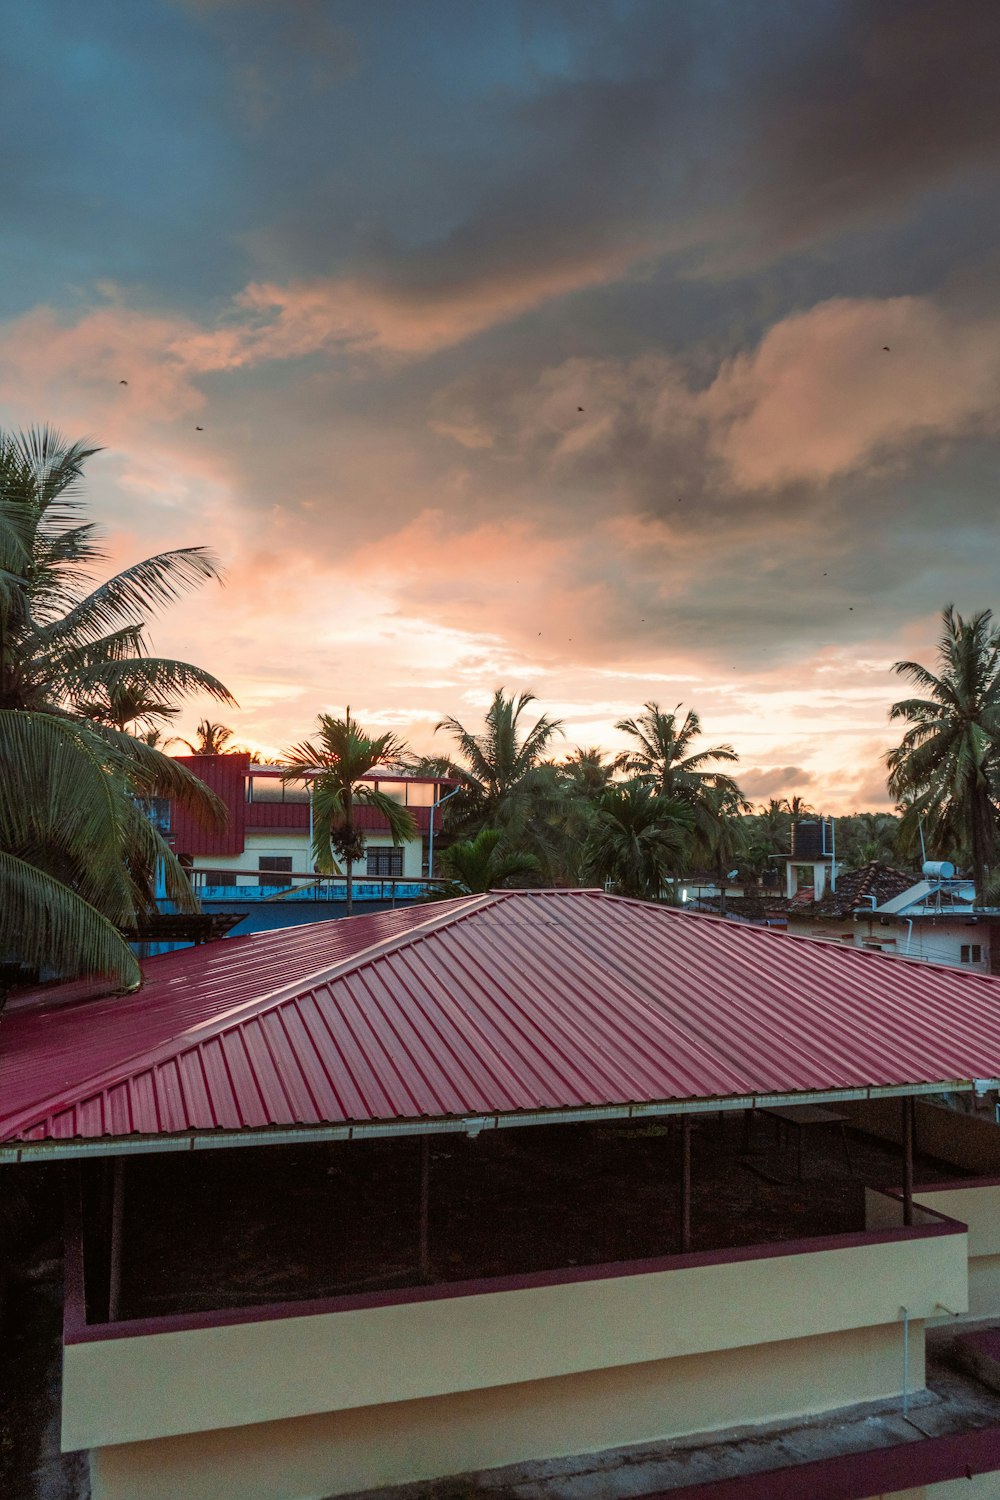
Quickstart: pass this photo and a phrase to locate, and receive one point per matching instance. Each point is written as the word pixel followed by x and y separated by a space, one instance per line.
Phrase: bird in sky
pixel 579 408
pixel 886 349
pixel 199 429
pixel 123 382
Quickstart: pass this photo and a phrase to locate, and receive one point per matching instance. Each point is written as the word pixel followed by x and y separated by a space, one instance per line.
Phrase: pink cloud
pixel 821 394
pixel 363 313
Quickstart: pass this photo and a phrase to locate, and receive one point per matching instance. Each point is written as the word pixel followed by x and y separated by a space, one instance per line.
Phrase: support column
pixel 907 1160
pixel 425 1186
pixel 115 1259
pixel 685 1183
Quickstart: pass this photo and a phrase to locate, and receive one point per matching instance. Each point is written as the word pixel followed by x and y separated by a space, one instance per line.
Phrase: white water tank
pixel 939 869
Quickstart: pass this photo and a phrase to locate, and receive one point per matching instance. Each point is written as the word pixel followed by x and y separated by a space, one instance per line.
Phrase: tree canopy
pixel 78 855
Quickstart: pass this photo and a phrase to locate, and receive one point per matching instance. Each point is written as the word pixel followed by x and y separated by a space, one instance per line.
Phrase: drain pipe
pixel 906 1362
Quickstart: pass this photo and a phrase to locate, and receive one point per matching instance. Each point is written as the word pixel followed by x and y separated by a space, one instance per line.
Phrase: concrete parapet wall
pixel 132 1382
pixel 335 1453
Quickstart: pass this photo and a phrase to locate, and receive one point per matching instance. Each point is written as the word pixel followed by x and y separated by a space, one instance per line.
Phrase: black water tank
pixel 807 839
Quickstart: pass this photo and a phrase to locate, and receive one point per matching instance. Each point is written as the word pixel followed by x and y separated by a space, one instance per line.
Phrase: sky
pixel 609 350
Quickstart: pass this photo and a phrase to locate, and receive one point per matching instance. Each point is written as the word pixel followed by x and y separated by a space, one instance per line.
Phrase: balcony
pixel 277 1284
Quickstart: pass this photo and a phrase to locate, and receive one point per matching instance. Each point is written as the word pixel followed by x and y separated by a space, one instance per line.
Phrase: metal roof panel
pixel 486 1006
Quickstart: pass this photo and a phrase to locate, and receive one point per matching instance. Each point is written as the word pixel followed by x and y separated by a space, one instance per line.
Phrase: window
pixel 275 869
pixel 803 877
pixel 972 953
pixel 394 790
pixel 273 789
pixel 384 861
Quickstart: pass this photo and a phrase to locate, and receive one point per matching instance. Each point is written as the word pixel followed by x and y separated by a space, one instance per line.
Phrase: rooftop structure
pixel 723 1205
pixel 481 1011
pixel 266 845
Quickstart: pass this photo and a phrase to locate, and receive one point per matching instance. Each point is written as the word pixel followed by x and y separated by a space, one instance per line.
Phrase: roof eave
pixel 471 1125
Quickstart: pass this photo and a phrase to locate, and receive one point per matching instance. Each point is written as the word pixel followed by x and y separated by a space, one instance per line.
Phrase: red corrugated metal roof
pixel 490 1005
pixel 225 775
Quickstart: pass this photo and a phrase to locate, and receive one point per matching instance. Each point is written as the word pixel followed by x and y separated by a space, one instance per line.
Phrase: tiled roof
pixel 855 888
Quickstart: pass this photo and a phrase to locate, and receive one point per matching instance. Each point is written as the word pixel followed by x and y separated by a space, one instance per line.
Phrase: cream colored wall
pixel 296 844
pixel 979 1207
pixel 123 1390
pixel 335 1453
pixel 979 1487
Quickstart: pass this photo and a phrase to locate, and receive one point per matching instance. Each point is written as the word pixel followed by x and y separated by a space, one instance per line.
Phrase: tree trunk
pixel 983 839
pixel 349 821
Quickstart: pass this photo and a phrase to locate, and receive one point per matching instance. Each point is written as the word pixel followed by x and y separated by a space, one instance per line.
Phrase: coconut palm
pixel 77 853
pixel 485 863
pixel 587 771
pixel 129 705
pixel 209 738
pixel 548 818
pixel 638 839
pixel 497 760
pixel 335 764
pixel 720 837
pixel 61 641
pixel 866 837
pixel 663 758
pixel 946 767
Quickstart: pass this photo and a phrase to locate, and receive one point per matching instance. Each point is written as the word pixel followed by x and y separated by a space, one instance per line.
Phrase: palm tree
pixel 335 764
pixel 866 837
pixel 797 807
pixel 945 768
pixel 497 761
pixel 484 863
pixel 210 739
pixel 663 758
pixel 720 837
pixel 772 821
pixel 637 840
pixel 128 704
pixel 587 771
pixel 77 853
pixel 549 819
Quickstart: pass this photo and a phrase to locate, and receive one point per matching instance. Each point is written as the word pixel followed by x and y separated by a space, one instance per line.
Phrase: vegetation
pixel 209 739
pixel 945 770
pixel 485 864
pixel 663 757
pixel 78 855
pixel 335 763
pixel 638 839
pixel 496 764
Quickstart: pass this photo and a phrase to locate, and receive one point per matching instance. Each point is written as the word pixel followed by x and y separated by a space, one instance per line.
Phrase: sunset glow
pixel 616 353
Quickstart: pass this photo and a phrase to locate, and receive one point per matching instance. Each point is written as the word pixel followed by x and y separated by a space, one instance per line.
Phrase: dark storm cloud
pixel 900 95
pixel 709 134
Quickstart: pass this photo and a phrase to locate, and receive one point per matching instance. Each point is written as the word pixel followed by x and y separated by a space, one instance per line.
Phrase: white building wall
pixel 934 940
pixel 294 844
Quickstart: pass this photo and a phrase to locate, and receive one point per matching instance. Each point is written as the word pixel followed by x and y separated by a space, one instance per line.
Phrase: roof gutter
pixel 470 1125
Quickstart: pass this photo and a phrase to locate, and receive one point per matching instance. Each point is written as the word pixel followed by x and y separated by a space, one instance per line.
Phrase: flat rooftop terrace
pixel 251 1226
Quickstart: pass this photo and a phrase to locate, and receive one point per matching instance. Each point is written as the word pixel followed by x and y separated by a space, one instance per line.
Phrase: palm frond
pixel 48 928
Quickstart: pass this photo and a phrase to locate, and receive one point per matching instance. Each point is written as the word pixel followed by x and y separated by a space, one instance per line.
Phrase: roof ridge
pixel 153 1056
